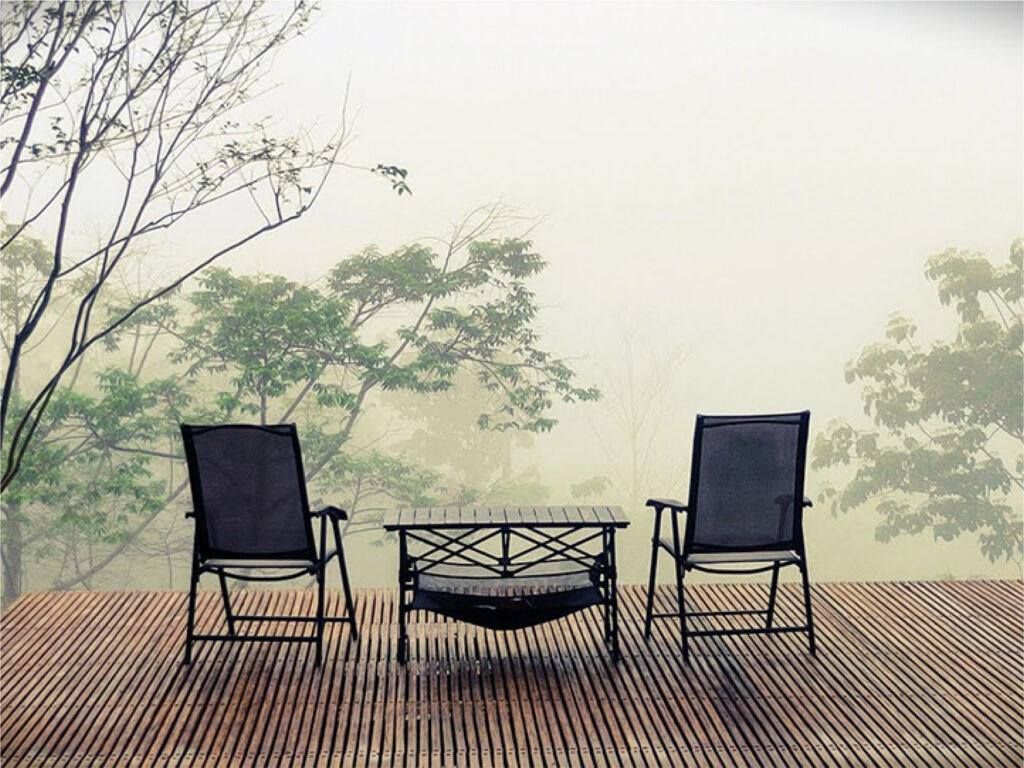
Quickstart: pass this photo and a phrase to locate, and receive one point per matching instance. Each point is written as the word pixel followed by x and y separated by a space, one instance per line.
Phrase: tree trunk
pixel 12 546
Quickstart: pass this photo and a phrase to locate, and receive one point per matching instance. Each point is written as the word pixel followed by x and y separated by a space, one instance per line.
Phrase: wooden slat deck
pixel 907 674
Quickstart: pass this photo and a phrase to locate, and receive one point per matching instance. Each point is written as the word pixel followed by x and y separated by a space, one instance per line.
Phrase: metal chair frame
pixel 318 558
pixel 681 548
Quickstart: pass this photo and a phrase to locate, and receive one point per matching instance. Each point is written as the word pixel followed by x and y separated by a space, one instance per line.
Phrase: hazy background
pixel 754 185
pixel 734 196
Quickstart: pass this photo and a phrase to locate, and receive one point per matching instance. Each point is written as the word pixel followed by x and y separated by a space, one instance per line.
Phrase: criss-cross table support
pixel 509 551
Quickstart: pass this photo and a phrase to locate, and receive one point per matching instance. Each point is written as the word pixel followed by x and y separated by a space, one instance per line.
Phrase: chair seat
pixel 723 558
pixel 728 558
pixel 224 562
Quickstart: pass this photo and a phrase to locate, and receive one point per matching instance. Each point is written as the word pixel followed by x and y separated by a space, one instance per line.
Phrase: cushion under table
pixel 506 603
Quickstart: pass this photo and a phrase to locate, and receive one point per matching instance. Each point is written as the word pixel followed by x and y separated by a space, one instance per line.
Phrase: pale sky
pixel 746 181
pixel 758 183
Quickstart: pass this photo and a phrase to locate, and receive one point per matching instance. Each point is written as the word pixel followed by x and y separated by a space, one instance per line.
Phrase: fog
pixel 732 200
pixel 755 186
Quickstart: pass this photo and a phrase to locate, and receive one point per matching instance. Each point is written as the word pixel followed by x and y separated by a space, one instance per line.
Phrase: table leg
pixel 606 594
pixel 403 576
pixel 614 602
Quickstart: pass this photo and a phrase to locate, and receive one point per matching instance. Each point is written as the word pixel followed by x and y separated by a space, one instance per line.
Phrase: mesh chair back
pixel 249 492
pixel 747 472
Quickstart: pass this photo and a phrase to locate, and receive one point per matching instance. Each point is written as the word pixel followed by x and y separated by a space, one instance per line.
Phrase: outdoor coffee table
pixel 506 567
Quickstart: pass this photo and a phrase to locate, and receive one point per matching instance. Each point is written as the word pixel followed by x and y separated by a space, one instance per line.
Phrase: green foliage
pixel 369 482
pixel 24 265
pixel 90 479
pixel 396 176
pixel 948 457
pixel 428 327
pixel 591 487
pixel 268 334
pixel 25 256
pixel 475 316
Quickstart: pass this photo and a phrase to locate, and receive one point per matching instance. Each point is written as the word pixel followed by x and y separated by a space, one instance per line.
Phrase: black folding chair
pixel 744 515
pixel 251 514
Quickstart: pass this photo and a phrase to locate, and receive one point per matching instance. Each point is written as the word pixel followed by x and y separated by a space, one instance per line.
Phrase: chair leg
pixel 681 597
pixel 190 626
pixel 771 597
pixel 350 606
pixel 654 573
pixel 227 604
pixel 807 605
pixel 606 605
pixel 403 637
pixel 320 612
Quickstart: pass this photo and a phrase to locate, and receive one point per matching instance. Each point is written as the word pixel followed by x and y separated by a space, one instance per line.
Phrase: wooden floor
pixel 920 673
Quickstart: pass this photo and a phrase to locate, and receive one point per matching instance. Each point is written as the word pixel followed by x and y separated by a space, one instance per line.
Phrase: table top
pixel 405 518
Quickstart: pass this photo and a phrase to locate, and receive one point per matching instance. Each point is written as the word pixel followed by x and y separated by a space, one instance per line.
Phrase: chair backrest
pixel 248 491
pixel 747 483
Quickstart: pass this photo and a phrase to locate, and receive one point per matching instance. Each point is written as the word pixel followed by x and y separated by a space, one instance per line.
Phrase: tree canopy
pixel 946 455
pixel 106 475
pixel 132 119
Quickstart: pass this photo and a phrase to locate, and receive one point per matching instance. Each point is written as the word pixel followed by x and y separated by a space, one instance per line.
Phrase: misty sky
pixel 752 180
pixel 759 184
pixel 755 185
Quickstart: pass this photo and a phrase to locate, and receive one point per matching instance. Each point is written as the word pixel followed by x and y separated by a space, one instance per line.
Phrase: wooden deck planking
pixel 916 674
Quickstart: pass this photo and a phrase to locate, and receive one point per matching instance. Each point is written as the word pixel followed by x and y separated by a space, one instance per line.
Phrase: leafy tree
pixel 593 487
pixel 86 480
pixel 368 482
pixel 88 483
pixel 140 105
pixel 947 454
pixel 274 338
pixel 417 320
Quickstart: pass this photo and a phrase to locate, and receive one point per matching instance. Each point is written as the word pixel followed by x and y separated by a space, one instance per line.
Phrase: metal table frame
pixel 507 543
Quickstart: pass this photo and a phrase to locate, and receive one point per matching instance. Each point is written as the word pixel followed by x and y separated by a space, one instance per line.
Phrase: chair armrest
pixel 787 498
pixel 675 506
pixel 335 513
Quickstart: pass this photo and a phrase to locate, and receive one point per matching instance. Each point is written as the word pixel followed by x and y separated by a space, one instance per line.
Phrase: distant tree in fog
pixel 86 482
pixel 592 487
pixel 948 452
pixel 640 399
pixel 479 465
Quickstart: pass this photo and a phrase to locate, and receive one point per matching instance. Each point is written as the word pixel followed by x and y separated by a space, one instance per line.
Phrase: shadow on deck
pixel 917 673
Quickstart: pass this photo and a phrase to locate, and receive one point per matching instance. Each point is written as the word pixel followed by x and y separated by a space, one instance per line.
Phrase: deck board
pixel 907 673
